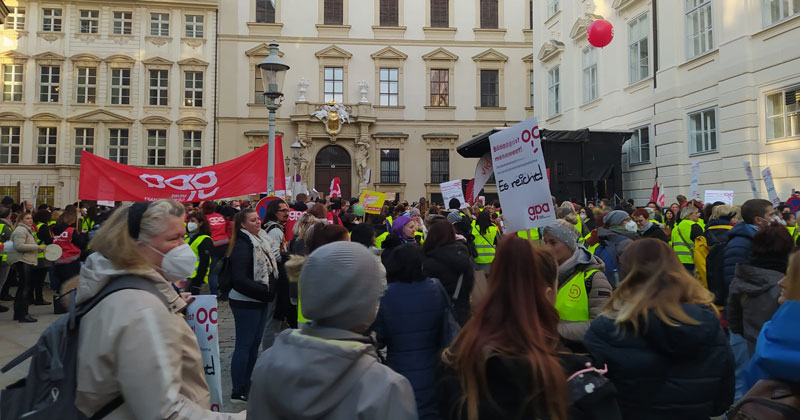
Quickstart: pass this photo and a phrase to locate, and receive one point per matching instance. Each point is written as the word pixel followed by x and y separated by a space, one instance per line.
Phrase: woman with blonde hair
pixel 662 341
pixel 136 353
pixel 777 353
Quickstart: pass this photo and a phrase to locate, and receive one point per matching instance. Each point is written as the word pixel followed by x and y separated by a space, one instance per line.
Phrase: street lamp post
pixel 273 72
pixel 296 146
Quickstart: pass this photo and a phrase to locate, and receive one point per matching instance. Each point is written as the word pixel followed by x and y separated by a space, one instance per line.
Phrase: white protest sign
pixel 766 173
pixel 202 315
pixel 725 196
pixel 694 190
pixel 519 169
pixel 368 176
pixel 749 170
pixel 105 203
pixel 452 189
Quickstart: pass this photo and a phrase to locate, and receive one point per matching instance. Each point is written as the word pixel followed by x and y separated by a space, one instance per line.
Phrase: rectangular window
pixel 265 12
pixel 194 26
pixel 84 140
pixel 46 195
pixel 159 87
pixel 490 92
pixel 703 131
pixel 553 92
pixel 51 20
pixel 530 81
pixel 489 14
pixel 440 87
pixel 388 87
pixel 334 12
pixel 120 86
pixel 774 11
pixel 15 19
pixel 49 83
pixel 639 151
pixel 118 145
pixel 123 23
pixel 259 91
pixel 783 113
pixel 334 84
pixel 9 144
pixel 699 27
pixel 638 49
pixel 390 166
pixel 12 82
pixel 159 24
pixel 589 66
pixel 157 147
pixel 192 148
pixel 440 14
pixel 89 21
pixel 389 13
pixel 46 146
pixel 87 85
pixel 193 89
pixel 552 8
pixel 440 166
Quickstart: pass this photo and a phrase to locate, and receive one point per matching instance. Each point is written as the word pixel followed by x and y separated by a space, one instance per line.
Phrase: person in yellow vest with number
pixel 486 235
pixel 684 234
pixel 203 246
pixel 583 289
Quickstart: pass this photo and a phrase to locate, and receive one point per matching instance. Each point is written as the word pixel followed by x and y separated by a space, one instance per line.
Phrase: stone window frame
pixel 54 60
pixel 255 56
pixel 334 31
pixel 433 141
pixel 157 63
pixel 194 124
pixel 334 56
pixel 440 58
pixel 127 148
pixel 389 141
pixel 74 156
pixel 120 61
pixel 14 58
pixel 265 28
pixel 86 60
pixel 12 119
pixel 151 123
pixel 389 57
pixel 112 19
pixel 436 32
pixel 80 18
pixel 46 120
pixel 101 120
pixel 528 60
pixel 391 32
pixel 490 59
pixel 194 65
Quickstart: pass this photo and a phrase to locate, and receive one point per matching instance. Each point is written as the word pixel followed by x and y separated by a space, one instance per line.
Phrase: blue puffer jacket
pixel 738 250
pixel 409 321
pixel 777 353
pixel 665 372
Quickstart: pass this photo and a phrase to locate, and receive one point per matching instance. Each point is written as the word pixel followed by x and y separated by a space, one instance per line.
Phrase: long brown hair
pixel 237 226
pixel 658 282
pixel 517 319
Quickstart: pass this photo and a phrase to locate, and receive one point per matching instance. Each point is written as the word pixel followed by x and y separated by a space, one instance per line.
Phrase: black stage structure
pixel 585 165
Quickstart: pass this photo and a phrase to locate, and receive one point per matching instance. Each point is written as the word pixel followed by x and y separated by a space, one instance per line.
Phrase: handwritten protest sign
pixel 724 196
pixel 694 190
pixel 766 173
pixel 202 315
pixel 519 168
pixel 372 201
pixel 451 190
pixel 749 170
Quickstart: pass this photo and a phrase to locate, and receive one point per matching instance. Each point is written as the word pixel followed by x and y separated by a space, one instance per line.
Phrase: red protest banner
pixel 102 179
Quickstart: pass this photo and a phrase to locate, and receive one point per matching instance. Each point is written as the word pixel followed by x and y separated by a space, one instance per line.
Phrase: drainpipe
pixel 216 81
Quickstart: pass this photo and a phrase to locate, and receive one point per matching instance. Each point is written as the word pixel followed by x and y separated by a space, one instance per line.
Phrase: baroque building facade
pixel 697 81
pixel 130 81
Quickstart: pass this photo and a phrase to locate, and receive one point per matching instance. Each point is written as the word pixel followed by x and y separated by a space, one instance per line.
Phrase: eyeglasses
pixel 283 210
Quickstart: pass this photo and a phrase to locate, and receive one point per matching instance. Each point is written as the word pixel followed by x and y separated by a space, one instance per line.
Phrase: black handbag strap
pixel 108 408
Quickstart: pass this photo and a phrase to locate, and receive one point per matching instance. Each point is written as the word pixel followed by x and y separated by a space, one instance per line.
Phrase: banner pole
pixel 271 156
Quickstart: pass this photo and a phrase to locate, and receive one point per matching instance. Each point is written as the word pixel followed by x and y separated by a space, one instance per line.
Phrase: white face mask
pixel 583 216
pixel 631 226
pixel 191 226
pixel 178 263
pixel 779 220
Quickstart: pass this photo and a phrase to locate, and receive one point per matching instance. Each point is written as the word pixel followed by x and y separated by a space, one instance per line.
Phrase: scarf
pixel 264 264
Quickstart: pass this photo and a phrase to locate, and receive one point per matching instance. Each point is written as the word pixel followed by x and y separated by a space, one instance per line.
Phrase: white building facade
pixel 126 80
pixel 710 81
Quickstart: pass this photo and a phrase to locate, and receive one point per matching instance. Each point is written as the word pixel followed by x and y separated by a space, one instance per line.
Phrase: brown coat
pixel 25 247
pixel 132 344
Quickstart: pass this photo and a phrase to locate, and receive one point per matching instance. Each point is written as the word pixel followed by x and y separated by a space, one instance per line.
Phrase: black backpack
pixel 48 392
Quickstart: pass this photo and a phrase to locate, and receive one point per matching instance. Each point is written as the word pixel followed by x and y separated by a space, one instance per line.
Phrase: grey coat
pixel 327 373
pixel 752 301
pixel 25 248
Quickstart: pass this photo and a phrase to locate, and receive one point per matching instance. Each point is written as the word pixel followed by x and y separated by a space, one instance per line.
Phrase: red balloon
pixel 600 33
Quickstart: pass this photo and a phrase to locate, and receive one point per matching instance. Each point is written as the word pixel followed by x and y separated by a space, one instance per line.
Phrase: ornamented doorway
pixel 333 161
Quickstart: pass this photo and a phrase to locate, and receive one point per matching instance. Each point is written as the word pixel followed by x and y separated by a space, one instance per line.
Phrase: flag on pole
pixel 661 196
pixel 336 189
pixel 654 192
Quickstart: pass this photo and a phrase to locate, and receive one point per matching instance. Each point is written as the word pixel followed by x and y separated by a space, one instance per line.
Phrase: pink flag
pixel 483 172
pixel 336 190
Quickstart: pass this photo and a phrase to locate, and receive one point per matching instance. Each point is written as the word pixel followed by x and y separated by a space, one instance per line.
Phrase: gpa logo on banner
pixel 198 183
pixel 538 211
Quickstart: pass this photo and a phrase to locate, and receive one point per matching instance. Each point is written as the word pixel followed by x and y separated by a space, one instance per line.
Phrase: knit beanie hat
pixel 349 300
pixel 454 216
pixel 563 232
pixel 615 218
pixel 399 224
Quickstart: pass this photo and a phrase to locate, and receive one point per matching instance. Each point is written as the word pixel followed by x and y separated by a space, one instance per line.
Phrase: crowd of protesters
pixel 427 311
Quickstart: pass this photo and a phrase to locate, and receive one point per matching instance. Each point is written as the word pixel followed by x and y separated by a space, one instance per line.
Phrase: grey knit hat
pixel 341 286
pixel 454 217
pixel 563 232
pixel 615 218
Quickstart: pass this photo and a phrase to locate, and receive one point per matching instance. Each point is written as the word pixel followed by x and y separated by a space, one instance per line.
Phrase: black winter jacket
pixel 655 232
pixel 447 263
pixel 243 275
pixel 737 251
pixel 684 372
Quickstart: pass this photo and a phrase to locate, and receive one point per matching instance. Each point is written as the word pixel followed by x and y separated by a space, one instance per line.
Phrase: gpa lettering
pixel 535 211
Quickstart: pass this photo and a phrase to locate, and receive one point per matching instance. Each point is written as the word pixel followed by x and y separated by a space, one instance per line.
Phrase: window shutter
pixel 389 15
pixel 333 12
pixel 489 14
pixel 440 16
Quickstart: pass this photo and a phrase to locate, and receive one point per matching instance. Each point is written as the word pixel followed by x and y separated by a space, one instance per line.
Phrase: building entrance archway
pixel 333 161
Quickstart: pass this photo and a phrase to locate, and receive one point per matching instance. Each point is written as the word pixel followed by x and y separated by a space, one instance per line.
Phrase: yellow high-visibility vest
pixel 484 244
pixel 572 300
pixel 379 240
pixel 195 245
pixel 682 243
pixel 530 234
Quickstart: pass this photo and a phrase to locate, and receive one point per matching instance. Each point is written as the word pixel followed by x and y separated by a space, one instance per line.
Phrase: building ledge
pixel 439 33
pixel 778 28
pixel 490 108
pixel 333 31
pixel 489 34
pixel 552 19
pixel 439 108
pixel 641 84
pixel 389 107
pixel 264 29
pixel 700 60
pixel 388 31
pixel 591 104
pixel 783 140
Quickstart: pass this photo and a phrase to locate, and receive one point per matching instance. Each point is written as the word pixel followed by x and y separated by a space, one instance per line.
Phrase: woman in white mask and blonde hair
pixel 137 356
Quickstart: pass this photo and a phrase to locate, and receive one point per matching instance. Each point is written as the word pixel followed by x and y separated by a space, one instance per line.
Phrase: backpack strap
pixel 108 408
pixel 123 282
